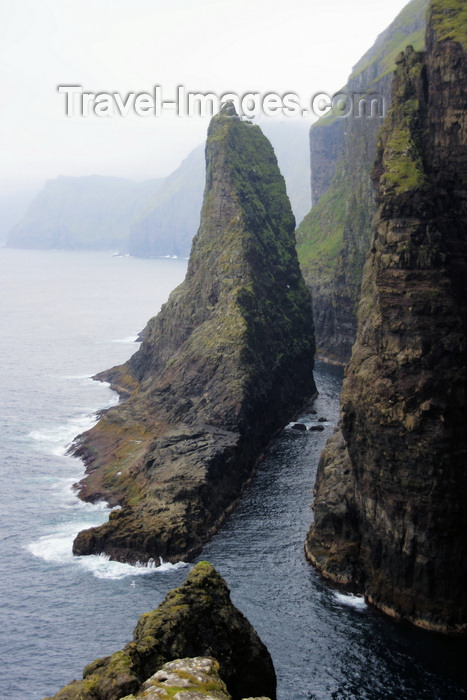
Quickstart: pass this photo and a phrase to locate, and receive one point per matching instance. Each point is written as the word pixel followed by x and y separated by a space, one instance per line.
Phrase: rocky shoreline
pixel 225 365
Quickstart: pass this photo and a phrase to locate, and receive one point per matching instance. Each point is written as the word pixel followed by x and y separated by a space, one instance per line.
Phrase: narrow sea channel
pixel 65 316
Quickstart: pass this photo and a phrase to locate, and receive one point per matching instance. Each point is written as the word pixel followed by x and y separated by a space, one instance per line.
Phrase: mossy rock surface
pixel 226 363
pixel 334 238
pixel 196 619
pixel 391 486
pixel 449 20
pixel 185 679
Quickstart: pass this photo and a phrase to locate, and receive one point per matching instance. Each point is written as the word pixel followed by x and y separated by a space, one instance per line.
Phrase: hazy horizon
pixel 301 47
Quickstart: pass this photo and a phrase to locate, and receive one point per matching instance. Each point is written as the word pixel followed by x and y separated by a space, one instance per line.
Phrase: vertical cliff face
pixel 326 142
pixel 171 216
pixel 334 238
pixel 391 493
pixel 224 365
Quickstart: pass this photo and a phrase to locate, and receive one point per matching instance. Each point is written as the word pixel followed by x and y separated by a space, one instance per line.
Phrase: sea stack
pixel 225 364
pixel 391 493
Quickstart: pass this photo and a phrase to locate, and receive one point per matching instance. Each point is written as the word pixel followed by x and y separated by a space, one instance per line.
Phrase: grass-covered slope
pixel 333 239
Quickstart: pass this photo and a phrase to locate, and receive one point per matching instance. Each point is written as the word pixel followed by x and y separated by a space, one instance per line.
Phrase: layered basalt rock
pixel 391 492
pixel 197 619
pixel 225 364
pixel 334 238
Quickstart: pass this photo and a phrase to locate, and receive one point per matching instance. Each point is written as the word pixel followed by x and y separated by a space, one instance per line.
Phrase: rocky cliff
pixel 289 138
pixel 197 619
pixel 224 365
pixel 390 515
pixel 334 238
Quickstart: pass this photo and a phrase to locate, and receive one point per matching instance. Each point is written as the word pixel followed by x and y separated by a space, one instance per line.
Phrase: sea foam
pixel 128 339
pixel 75 515
pixel 56 548
pixel 354 601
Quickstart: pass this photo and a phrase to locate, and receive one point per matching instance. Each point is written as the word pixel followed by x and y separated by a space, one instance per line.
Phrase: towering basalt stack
pixel 334 238
pixel 224 365
pixel 391 492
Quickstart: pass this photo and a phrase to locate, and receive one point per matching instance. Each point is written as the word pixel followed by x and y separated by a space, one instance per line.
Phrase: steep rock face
pixel 334 238
pixel 289 139
pixel 390 514
pixel 224 365
pixel 171 217
pixel 196 619
pixel 326 142
pixel 153 218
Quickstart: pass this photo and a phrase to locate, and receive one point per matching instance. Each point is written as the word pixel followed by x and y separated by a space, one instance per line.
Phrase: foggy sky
pixel 299 46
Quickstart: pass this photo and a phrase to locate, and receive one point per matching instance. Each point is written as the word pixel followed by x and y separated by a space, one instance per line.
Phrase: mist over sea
pixel 64 317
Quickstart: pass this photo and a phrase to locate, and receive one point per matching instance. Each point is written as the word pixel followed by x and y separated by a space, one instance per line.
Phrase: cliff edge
pixel 197 619
pixel 390 515
pixel 225 364
pixel 333 240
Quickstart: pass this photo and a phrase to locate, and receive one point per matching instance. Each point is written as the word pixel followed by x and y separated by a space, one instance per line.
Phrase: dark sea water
pixel 65 316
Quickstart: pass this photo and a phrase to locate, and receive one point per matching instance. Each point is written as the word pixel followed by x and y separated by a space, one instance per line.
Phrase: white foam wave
pixel 354 601
pixel 101 566
pixel 56 548
pixel 74 514
pixel 57 438
pixel 129 339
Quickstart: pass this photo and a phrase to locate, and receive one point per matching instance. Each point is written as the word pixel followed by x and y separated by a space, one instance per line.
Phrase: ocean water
pixel 64 317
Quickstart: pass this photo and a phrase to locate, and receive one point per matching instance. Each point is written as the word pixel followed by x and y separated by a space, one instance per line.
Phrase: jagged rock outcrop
pixel 334 238
pixel 197 619
pixel 186 679
pixel 171 217
pixel 225 364
pixel 391 492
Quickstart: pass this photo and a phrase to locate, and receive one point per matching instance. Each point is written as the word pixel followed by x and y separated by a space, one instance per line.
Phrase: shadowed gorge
pixel 390 516
pixel 226 363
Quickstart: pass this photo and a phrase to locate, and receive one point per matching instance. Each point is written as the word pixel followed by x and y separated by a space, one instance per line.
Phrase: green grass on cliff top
pixel 320 235
pixel 449 20
pixel 388 46
pixel 394 40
